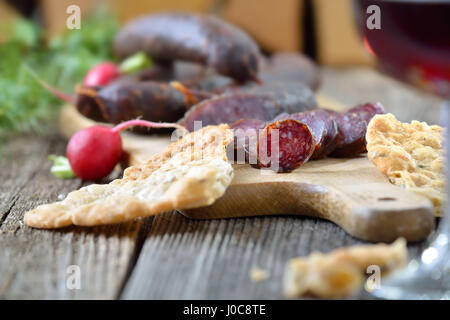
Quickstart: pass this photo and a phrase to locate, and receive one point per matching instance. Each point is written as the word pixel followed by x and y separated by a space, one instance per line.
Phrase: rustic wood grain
pixel 349 192
pixel 33 262
pixel 211 259
pixel 352 86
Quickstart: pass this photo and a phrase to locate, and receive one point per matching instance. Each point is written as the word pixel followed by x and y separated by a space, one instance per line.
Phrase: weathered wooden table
pixel 167 256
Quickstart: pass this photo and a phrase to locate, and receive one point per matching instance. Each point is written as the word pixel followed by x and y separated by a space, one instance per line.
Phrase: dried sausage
pixel 190 37
pixel 368 110
pixel 316 125
pixel 323 126
pixel 331 128
pixel 261 103
pixel 292 67
pixel 284 145
pixel 122 101
pixel 246 131
pixel 351 138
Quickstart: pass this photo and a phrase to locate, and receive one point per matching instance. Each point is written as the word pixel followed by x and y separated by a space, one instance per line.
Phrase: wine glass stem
pixel 445 120
pixel 442 241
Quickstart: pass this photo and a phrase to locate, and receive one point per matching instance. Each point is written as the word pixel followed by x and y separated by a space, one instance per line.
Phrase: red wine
pixel 413 42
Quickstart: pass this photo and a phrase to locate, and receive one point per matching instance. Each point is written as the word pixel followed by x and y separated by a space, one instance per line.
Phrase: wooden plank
pixel 211 259
pixel 34 262
pixel 352 86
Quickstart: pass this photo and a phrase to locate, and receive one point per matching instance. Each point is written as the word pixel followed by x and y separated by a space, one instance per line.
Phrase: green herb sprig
pixel 62 62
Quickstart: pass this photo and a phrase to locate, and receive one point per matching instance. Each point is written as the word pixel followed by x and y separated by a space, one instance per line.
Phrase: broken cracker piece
pixel 410 155
pixel 341 273
pixel 190 173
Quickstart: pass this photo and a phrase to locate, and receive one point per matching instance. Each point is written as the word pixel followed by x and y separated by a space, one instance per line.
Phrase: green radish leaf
pixel 136 62
pixel 61 167
pixel 27 33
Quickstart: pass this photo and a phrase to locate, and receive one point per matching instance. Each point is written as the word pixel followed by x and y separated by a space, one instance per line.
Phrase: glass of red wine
pixel 410 40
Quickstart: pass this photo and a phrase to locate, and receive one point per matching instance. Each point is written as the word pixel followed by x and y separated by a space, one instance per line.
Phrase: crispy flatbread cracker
pixel 341 273
pixel 192 172
pixel 411 155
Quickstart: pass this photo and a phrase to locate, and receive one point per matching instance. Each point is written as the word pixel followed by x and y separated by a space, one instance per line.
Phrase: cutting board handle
pixel 361 201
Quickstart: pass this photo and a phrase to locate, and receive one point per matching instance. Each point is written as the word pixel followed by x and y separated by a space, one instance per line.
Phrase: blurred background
pixel 323 29
pixel 33 35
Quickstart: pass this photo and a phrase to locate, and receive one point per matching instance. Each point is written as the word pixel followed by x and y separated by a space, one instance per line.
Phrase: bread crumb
pixel 258 275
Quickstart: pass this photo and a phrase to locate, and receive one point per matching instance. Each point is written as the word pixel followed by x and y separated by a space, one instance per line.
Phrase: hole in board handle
pixel 386 199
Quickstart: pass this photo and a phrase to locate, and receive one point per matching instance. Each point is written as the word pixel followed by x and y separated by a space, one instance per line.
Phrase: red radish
pixel 106 72
pixel 99 75
pixel 94 152
pixel 102 74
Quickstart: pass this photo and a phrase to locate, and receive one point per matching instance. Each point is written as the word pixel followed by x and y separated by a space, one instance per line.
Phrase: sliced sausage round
pixel 285 145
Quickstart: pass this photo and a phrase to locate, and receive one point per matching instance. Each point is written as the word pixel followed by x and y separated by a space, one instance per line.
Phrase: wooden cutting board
pixel 349 192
